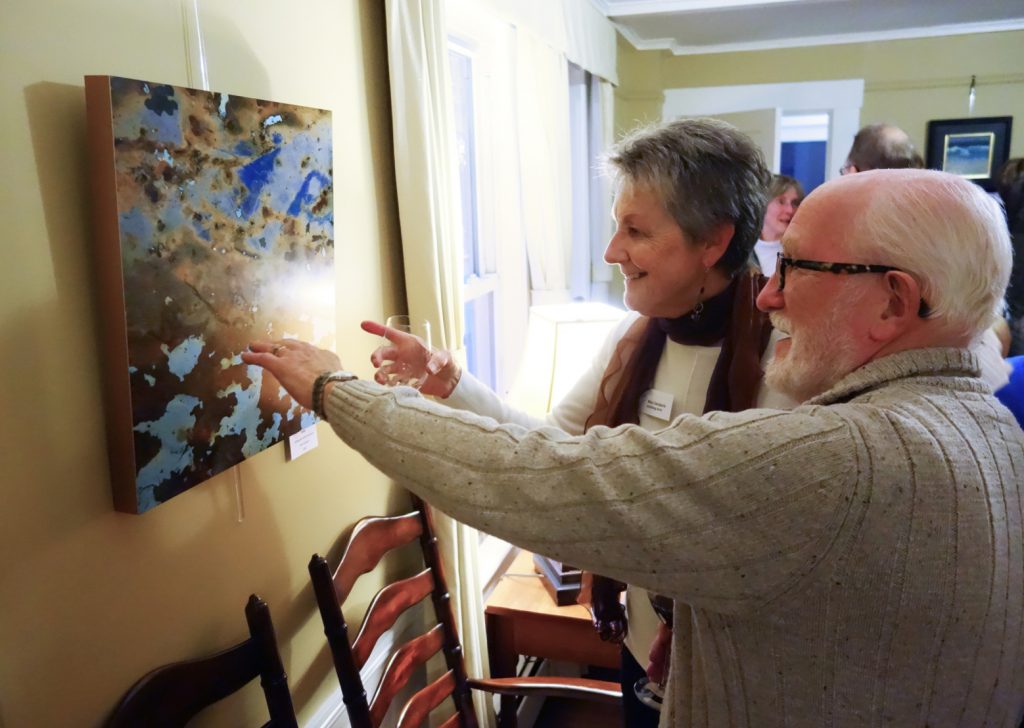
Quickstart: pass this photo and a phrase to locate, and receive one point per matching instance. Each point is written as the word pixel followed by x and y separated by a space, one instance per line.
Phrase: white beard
pixel 815 361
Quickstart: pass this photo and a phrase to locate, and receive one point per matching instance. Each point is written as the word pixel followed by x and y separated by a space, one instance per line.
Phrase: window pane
pixel 479 339
pixel 462 101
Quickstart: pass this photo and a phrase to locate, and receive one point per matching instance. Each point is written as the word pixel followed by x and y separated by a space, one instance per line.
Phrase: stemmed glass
pixel 408 363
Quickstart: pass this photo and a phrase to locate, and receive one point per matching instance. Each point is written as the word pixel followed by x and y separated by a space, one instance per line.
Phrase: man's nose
pixel 770 298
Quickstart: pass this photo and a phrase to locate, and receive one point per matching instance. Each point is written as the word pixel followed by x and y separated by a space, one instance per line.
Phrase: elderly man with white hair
pixel 858 560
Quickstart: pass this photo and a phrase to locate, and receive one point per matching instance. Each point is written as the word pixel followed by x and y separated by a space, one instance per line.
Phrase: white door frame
pixel 841 99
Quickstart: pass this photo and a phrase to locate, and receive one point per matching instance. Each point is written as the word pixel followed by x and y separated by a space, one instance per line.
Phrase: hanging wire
pixel 195 50
pixel 239 501
pixel 971 95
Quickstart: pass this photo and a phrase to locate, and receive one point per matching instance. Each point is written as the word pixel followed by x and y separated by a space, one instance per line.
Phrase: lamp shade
pixel 561 341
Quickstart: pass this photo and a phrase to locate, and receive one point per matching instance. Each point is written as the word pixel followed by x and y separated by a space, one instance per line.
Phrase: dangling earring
pixel 699 308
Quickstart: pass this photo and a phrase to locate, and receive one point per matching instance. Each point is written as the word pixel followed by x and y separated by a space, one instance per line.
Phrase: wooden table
pixel 523 619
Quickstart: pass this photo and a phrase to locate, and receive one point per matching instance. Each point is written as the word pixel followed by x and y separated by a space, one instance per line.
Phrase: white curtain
pixel 429 212
pixel 542 82
pixel 576 28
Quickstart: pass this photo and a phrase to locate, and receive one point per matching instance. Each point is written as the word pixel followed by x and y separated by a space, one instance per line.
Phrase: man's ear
pixel 717 243
pixel 902 304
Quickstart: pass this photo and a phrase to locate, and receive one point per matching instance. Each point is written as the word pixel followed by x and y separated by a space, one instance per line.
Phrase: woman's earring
pixel 699 308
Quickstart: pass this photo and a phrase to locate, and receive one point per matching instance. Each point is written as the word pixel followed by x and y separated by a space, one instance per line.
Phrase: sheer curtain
pixel 542 83
pixel 429 212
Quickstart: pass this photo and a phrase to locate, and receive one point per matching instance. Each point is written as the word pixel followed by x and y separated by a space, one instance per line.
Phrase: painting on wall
pixel 972 148
pixel 214 226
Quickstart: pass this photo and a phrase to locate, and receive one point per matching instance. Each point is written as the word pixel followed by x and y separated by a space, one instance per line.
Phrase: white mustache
pixel 779 322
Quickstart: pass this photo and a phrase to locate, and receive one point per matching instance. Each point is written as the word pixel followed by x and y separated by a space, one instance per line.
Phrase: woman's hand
pixel 409 356
pixel 661 648
pixel 295 364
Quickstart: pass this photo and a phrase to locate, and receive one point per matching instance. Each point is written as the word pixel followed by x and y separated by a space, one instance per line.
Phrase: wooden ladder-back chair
pixel 173 694
pixel 370 540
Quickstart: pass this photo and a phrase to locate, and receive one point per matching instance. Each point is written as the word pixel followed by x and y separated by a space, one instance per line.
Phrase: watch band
pixel 321 383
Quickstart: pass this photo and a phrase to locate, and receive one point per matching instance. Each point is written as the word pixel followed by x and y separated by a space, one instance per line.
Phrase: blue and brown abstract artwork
pixel 214 227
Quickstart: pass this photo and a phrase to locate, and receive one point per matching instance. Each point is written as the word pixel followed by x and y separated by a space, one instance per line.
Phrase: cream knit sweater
pixel 856 561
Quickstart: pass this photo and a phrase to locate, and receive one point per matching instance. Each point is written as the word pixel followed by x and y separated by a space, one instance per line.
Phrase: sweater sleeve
pixel 724 511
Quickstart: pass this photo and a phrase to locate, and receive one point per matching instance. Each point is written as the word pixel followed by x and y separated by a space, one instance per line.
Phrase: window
pixel 480 279
pixel 591 196
pixel 494 286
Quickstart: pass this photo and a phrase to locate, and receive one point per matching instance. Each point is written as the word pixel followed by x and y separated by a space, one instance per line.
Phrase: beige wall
pixel 89 598
pixel 907 82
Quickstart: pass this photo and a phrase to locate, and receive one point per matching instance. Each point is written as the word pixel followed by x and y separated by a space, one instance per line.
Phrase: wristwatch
pixel 321 383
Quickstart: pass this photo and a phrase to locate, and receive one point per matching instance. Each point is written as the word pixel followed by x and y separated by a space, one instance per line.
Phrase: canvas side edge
pixel 110 294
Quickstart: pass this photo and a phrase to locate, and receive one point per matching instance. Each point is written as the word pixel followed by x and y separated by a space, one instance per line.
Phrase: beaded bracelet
pixel 318 389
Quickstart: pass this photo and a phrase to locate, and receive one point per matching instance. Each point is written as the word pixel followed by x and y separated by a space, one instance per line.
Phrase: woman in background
pixel 784 197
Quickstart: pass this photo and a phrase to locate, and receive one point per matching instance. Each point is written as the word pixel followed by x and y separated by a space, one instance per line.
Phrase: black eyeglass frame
pixel 782 262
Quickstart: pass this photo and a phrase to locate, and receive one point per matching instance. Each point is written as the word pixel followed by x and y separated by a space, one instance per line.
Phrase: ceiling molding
pixel 835 39
pixel 625 8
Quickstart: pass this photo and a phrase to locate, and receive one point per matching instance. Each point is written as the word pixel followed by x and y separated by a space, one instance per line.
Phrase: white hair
pixel 950 235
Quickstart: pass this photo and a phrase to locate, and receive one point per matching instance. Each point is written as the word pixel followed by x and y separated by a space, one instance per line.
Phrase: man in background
pixel 881 146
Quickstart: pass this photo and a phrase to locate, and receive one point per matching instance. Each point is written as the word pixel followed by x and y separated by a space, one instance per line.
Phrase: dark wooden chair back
pixel 370 540
pixel 173 694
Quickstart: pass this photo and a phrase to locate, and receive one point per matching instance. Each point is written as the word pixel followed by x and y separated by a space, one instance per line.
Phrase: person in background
pixel 881 146
pixel 1010 184
pixel 688 207
pixel 784 196
pixel 858 560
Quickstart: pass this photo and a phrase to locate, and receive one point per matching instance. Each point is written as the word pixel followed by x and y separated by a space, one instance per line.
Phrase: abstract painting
pixel 214 227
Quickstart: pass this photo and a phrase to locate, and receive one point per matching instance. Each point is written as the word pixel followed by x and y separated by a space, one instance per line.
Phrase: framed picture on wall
pixel 214 226
pixel 972 148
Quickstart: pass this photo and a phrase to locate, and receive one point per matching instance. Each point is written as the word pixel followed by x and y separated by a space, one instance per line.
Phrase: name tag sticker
pixel 302 442
pixel 657 404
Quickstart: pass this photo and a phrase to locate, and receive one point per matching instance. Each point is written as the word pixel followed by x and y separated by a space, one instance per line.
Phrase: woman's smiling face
pixel 779 212
pixel 663 268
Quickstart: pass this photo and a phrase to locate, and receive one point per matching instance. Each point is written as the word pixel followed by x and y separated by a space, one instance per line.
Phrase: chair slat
pixel 371 539
pixel 562 687
pixel 419 705
pixel 454 722
pixel 407 658
pixel 385 609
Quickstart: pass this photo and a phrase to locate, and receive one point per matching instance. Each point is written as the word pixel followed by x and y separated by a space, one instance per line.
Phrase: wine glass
pixel 409 365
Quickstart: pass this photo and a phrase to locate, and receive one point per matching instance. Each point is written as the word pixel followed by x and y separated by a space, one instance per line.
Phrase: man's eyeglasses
pixel 782 263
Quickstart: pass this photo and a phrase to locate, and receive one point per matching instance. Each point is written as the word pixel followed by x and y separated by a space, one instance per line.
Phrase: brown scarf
pixel 730 317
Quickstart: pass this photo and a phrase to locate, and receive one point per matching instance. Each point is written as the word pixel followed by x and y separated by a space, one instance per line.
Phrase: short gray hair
pixel 705 172
pixel 950 235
